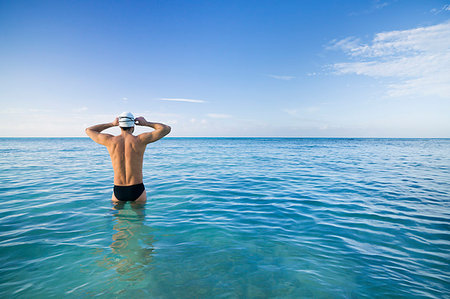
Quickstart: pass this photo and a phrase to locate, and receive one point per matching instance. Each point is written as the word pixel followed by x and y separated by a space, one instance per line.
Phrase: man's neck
pixel 126 133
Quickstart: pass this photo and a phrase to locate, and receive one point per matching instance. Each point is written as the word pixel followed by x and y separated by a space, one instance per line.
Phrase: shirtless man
pixel 127 154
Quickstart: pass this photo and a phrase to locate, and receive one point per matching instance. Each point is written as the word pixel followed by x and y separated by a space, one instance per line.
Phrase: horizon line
pixel 324 137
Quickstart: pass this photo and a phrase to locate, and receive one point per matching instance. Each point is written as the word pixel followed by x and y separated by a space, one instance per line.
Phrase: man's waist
pixel 128 185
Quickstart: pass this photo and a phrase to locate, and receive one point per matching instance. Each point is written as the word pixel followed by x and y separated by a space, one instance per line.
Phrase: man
pixel 127 154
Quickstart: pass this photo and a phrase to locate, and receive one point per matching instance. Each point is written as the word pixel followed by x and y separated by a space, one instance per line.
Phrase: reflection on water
pixel 132 244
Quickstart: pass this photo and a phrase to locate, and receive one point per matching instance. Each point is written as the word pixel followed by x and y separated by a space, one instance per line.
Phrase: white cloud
pixel 182 100
pixel 380 5
pixel 218 115
pixel 124 99
pixel 374 6
pixel 286 78
pixel 418 59
pixel 444 8
pixel 291 112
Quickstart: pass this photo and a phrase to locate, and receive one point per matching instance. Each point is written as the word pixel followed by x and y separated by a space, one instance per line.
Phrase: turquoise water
pixel 228 218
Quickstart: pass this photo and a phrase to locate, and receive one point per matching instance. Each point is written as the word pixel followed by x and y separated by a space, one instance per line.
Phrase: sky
pixel 227 68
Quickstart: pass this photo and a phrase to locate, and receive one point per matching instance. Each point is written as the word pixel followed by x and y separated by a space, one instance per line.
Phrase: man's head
pixel 126 121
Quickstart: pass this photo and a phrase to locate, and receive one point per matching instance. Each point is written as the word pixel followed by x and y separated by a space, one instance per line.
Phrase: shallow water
pixel 228 218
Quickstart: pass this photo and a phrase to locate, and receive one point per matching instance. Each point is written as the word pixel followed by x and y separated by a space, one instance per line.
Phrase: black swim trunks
pixel 128 193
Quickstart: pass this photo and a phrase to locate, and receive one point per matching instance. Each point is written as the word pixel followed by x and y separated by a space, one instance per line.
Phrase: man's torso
pixel 127 154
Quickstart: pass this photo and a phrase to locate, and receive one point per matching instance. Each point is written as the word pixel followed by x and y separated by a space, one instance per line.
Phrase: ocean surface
pixel 228 218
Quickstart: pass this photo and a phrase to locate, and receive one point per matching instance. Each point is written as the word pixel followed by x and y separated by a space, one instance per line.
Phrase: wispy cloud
pixel 292 112
pixel 182 100
pixel 444 8
pixel 374 6
pixel 301 111
pixel 218 115
pixel 286 78
pixel 418 59
pixel 380 4
pixel 124 99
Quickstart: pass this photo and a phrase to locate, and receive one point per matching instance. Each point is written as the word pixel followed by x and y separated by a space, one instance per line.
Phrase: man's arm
pixel 101 138
pixel 160 131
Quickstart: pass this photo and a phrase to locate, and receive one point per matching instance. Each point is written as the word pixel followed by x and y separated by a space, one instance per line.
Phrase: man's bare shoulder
pixel 117 139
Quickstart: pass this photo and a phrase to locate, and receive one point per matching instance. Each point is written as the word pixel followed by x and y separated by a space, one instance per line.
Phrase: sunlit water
pixel 228 218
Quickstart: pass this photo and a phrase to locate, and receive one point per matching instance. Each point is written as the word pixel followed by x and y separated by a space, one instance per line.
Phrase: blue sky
pixel 227 68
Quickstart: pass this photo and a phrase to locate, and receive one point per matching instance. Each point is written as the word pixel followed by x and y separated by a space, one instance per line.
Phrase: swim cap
pixel 126 120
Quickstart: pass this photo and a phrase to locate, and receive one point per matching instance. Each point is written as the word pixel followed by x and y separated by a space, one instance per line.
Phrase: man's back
pixel 127 154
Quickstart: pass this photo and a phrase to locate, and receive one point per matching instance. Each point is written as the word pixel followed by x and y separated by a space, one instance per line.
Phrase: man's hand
pixel 115 122
pixel 140 121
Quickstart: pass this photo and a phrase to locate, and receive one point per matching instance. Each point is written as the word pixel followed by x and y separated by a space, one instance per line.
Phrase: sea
pixel 228 218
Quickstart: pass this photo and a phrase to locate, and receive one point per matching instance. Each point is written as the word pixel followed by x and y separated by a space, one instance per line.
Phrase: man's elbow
pixel 167 129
